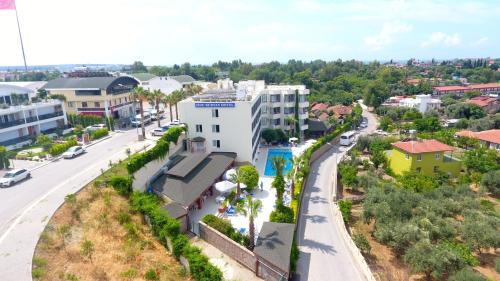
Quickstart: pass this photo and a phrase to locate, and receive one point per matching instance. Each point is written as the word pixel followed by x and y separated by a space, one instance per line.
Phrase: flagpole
pixel 21 38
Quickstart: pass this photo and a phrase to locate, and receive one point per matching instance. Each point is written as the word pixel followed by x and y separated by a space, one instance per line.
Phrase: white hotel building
pixel 230 119
pixel 21 120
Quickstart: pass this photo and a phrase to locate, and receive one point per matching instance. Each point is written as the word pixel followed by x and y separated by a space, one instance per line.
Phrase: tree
pixel 193 89
pixel 281 135
pixel 237 178
pixel 278 163
pixel 291 123
pixel 177 96
pixel 141 95
pixel 138 67
pixel 376 93
pixel 466 275
pixel 282 214
pixel 429 124
pixel 44 141
pixel 491 182
pixel 269 135
pixel 87 249
pixel 279 184
pixel 464 110
pixel 418 182
pixel 156 97
pixel 362 243
pixel 348 174
pixel 378 158
pixel 250 208
pixel 4 160
pixel 385 123
pixel 249 176
pixel 168 100
pixel 345 207
pixel 480 232
pixel 481 160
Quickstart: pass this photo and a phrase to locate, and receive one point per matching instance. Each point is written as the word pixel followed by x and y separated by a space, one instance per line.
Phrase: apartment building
pixel 422 103
pixel 22 120
pixel 487 88
pixel 101 96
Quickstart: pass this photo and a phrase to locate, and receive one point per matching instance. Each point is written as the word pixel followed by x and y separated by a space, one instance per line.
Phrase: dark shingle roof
pixel 88 82
pixel 186 165
pixel 317 126
pixel 175 210
pixel 183 79
pixel 187 189
pixel 274 244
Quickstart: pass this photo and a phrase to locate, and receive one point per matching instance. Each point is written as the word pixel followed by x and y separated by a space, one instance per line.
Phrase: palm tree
pixel 193 89
pixel 156 97
pixel 141 95
pixel 237 178
pixel 291 122
pixel 177 96
pixel 278 163
pixel 250 208
pixel 168 100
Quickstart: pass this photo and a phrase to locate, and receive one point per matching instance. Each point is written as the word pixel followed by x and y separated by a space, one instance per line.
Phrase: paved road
pixel 25 208
pixel 324 255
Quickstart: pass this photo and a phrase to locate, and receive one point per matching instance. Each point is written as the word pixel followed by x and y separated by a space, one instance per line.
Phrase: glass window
pixel 276 110
pixel 199 128
pixel 277 122
pixel 216 143
pixel 407 156
pixel 71 104
pixel 97 104
pixel 438 156
pixel 419 157
pixel 84 104
pixel 215 128
pixel 419 169
pixel 215 113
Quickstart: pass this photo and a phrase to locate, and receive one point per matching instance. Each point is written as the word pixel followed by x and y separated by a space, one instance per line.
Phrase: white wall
pixel 164 84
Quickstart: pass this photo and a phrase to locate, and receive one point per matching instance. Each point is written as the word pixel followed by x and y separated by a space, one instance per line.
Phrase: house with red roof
pixel 489 104
pixel 318 107
pixel 487 88
pixel 423 156
pixel 489 139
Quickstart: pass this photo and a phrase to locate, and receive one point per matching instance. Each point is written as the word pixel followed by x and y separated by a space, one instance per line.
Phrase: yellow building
pixel 423 156
pixel 101 96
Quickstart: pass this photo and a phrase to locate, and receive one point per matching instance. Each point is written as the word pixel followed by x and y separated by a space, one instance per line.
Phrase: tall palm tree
pixel 278 163
pixel 237 178
pixel 193 89
pixel 250 208
pixel 291 122
pixel 177 96
pixel 168 100
pixel 141 95
pixel 156 97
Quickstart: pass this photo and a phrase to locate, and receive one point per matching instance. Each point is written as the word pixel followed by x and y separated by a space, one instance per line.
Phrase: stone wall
pixel 228 246
pixel 269 272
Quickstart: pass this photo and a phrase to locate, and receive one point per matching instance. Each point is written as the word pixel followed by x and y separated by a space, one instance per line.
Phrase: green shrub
pixel 57 149
pixel 226 228
pixel 99 133
pixel 37 273
pixel 282 214
pixel 122 184
pixel 294 256
pixel 199 265
pixel 362 243
pixel 345 207
pixel 497 265
pixel 151 275
pixel 179 243
pixel 466 275
pixel 123 217
pixel 461 250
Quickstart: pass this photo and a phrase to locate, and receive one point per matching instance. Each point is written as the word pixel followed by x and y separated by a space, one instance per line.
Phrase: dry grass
pixel 124 248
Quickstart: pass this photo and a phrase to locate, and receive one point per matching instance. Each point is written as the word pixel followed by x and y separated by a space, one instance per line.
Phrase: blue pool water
pixel 285 153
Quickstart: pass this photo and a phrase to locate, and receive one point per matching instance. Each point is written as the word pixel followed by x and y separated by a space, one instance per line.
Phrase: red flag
pixel 7 4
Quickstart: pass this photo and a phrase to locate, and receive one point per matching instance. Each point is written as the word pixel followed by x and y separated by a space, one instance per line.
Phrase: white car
pixel 363 125
pixel 14 176
pixel 158 132
pixel 73 152
pixel 96 127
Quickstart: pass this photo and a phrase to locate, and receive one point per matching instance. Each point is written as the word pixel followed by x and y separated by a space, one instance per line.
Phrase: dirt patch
pixel 119 245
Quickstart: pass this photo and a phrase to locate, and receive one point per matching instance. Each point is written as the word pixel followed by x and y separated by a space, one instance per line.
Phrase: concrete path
pixel 26 207
pixel 324 254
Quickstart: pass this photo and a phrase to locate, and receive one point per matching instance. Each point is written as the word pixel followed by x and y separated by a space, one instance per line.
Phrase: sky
pixel 166 32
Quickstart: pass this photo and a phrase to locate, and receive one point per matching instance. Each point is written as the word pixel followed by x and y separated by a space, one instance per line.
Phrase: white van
pixel 136 122
pixel 347 138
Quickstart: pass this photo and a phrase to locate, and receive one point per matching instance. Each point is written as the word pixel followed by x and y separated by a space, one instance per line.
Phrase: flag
pixel 7 4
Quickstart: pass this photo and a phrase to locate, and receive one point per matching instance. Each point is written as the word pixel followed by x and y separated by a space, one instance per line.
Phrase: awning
pixel 228 174
pixel 225 186
pixel 293 139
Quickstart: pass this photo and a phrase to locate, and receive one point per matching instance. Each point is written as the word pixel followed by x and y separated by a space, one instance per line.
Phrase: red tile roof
pixel 422 146
pixel 482 101
pixel 492 136
pixel 467 88
pixel 339 110
pixel 451 88
pixel 319 106
pixel 323 116
pixel 484 86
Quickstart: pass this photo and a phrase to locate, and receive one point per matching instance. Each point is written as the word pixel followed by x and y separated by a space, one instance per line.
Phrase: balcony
pixel 304 104
pixel 15 141
pixel 303 115
pixel 11 123
pixel 31 119
pixel 50 115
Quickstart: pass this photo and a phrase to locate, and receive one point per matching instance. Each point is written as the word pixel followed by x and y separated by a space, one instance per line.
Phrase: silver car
pixel 13 177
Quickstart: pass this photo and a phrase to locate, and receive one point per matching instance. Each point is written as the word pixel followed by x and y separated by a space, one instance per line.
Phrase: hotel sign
pixel 214 104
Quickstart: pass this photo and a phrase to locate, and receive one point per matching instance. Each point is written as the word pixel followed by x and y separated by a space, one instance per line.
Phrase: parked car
pixel 14 176
pixel 158 132
pixel 363 124
pixel 96 127
pixel 73 152
pixel 137 121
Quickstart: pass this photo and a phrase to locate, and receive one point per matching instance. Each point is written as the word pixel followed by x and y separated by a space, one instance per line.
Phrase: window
pixel 97 104
pixel 438 156
pixel 290 98
pixel 84 104
pixel 436 169
pixel 275 98
pixel 215 113
pixel 276 110
pixel 216 143
pixel 419 169
pixel 277 122
pixel 215 129
pixel 407 156
pixel 419 157
pixel 289 110
pixel 71 104
pixel 199 128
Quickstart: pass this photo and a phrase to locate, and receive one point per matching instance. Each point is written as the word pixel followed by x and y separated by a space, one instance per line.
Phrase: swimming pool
pixel 285 153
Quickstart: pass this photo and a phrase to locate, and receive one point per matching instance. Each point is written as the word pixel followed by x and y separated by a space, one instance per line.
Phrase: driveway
pixel 324 254
pixel 25 208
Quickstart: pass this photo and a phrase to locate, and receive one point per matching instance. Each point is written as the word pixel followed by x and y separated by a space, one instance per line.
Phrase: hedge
pixel 345 207
pixel 226 228
pixel 99 133
pixel 282 214
pixel 57 149
pixel 122 184
pixel 160 150
pixel 163 226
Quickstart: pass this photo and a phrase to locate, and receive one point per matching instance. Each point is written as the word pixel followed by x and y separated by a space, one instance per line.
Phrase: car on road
pixel 380 132
pixel 14 176
pixel 363 125
pixel 73 152
pixel 96 127
pixel 158 132
pixel 137 120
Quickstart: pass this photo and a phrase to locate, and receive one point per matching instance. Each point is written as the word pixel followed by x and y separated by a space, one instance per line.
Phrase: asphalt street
pixel 324 254
pixel 26 207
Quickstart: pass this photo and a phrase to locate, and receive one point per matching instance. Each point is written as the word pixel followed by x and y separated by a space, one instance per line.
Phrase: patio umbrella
pixel 225 186
pixel 293 139
pixel 228 173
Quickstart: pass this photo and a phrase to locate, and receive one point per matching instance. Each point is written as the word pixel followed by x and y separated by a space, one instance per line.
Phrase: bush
pixel 122 184
pixel 497 265
pixel 151 275
pixel 362 243
pixel 345 207
pixel 4 159
pixel 466 275
pixel 225 228
pixel 269 135
pixel 491 182
pixel 60 148
pixel 179 243
pixel 294 256
pixel 99 133
pixel 462 251
pixel 199 265
pixel 282 214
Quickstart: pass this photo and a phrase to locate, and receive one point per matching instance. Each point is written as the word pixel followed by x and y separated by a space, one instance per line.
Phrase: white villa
pixel 422 103
pixel 22 120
